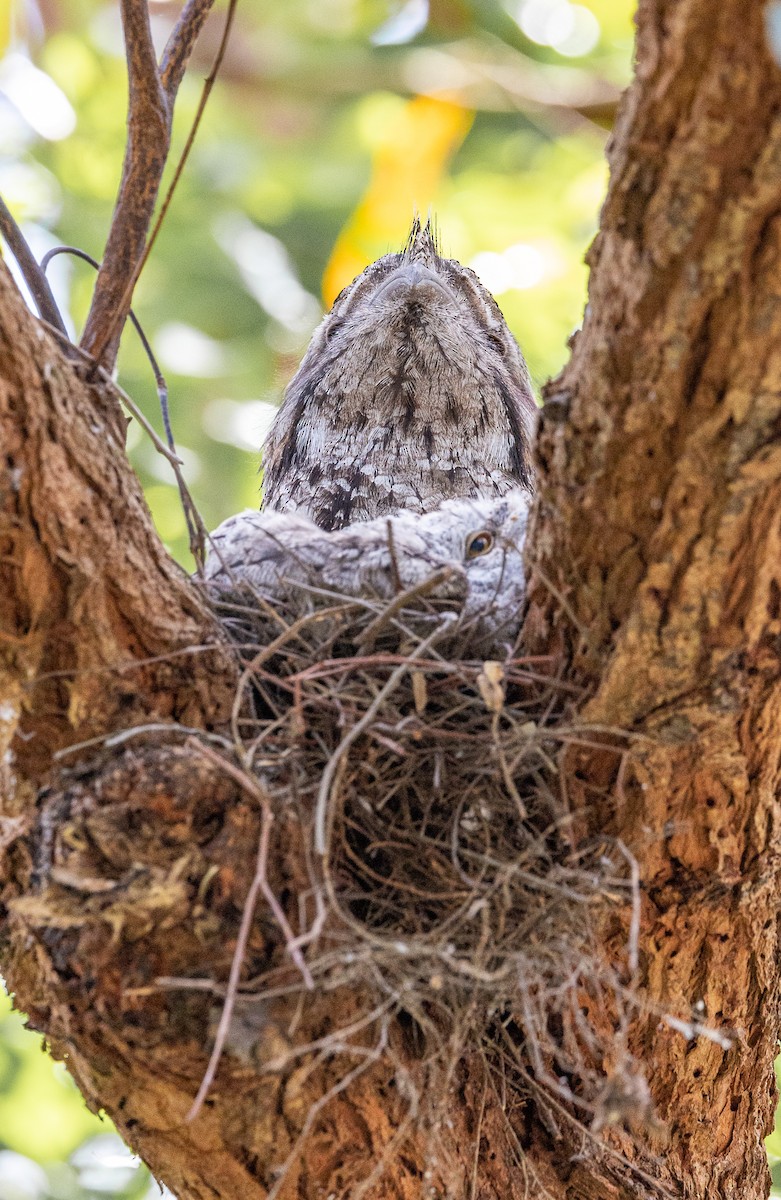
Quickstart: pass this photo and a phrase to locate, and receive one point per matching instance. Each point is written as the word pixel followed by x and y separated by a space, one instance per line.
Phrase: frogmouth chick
pixel 469 552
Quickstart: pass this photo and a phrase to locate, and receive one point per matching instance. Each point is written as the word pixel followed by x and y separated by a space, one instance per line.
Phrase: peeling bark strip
pixel 657 554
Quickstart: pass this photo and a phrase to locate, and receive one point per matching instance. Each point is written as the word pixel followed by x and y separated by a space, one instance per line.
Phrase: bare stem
pixel 33 275
pixel 149 135
pixel 104 324
pixel 180 44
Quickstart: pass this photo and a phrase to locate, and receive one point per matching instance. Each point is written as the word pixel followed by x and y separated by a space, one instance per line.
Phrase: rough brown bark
pixel 660 532
pixel 656 553
pixel 151 96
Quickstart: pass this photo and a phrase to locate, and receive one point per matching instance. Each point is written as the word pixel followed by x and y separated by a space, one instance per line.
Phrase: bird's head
pixel 429 305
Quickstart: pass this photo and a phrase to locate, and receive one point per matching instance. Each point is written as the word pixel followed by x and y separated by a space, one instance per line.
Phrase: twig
pixel 388 1151
pixel 340 1034
pixel 400 601
pixel 478 1139
pixel 180 44
pixel 33 275
pixel 509 782
pixel 253 788
pixel 122 395
pixel 208 84
pixel 148 140
pixel 561 598
pixel 162 386
pixel 125 735
pixel 324 791
pixel 173 67
pixel 196 528
pixel 369 1058
pixel 634 925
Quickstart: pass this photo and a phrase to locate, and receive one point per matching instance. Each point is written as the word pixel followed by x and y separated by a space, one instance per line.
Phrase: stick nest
pixel 447 881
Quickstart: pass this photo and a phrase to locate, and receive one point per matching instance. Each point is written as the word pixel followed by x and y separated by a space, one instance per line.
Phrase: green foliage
pixel 773 1144
pixel 51 1146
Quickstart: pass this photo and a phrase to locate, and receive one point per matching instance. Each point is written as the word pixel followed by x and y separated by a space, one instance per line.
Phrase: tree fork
pixel 656 551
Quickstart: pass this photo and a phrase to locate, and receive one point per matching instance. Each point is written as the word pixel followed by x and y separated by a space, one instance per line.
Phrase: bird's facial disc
pixel 417 290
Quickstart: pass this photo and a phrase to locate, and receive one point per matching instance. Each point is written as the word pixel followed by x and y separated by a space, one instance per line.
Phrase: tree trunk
pixel 656 558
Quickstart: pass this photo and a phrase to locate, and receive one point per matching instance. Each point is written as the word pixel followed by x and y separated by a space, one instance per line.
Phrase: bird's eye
pixel 333 328
pixel 479 543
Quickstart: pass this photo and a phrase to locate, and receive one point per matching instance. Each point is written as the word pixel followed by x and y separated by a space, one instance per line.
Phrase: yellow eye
pixel 479 543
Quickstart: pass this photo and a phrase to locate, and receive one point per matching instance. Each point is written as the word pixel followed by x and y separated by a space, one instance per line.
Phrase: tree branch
pixel 656 552
pixel 673 370
pixel 180 44
pixel 149 132
pixel 75 524
pixel 152 93
pixel 34 277
pixel 102 633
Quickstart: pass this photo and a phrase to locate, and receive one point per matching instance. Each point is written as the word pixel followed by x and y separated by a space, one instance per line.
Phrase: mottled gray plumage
pixel 477 544
pixel 412 391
